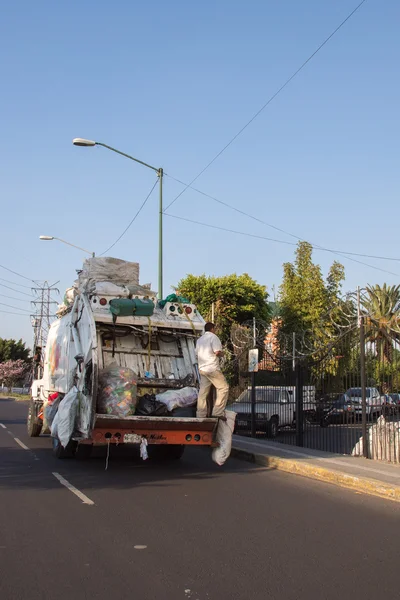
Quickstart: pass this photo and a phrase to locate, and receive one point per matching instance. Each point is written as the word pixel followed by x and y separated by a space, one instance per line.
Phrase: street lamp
pixel 49 238
pixel 88 143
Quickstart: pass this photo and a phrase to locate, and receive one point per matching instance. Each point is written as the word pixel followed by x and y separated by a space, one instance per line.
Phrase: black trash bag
pixel 148 406
pixel 183 411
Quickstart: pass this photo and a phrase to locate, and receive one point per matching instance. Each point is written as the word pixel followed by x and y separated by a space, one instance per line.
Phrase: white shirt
pixel 207 345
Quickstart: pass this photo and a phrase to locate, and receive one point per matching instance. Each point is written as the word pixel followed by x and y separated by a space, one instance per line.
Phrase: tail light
pixel 103 301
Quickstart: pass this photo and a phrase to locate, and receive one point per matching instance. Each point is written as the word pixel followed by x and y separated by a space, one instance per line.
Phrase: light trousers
pixel 216 379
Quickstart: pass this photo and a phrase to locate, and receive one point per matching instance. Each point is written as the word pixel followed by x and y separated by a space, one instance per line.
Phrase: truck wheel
pixel 84 451
pixel 174 452
pixel 60 452
pixel 34 426
pixel 273 427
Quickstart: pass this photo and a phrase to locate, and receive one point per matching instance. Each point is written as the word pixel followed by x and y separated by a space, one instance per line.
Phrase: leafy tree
pixel 304 297
pixel 382 320
pixel 236 298
pixel 12 371
pixel 13 350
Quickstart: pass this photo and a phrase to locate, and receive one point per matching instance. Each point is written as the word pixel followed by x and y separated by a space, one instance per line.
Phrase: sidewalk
pixel 359 474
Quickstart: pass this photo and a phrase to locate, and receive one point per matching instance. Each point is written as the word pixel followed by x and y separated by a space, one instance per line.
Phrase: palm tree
pixel 381 308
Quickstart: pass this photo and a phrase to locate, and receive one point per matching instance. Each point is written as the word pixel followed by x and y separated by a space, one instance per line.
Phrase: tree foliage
pixel 12 371
pixel 304 297
pixel 382 318
pixel 236 298
pixel 13 350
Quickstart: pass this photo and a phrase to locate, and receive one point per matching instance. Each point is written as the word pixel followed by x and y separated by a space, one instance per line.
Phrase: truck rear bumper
pixel 157 430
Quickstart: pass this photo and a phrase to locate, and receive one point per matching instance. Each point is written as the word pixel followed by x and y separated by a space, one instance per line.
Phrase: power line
pixel 7 312
pixel 15 307
pixel 134 219
pixel 12 298
pixel 14 283
pixel 250 216
pixel 17 291
pixel 15 273
pixel 269 101
pixel 278 241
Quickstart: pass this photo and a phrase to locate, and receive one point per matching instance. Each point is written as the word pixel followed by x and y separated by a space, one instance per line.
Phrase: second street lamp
pixel 89 143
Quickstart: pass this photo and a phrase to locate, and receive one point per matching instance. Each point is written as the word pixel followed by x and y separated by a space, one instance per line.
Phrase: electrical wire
pixel 15 307
pixel 28 287
pixel 7 312
pixel 250 216
pixel 134 219
pixel 278 241
pixel 17 291
pixel 12 298
pixel 269 101
pixel 15 273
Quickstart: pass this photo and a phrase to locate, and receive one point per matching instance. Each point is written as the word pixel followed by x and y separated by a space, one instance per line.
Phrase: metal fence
pixel 345 399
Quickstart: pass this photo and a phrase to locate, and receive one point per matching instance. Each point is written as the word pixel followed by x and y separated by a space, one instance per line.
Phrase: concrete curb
pixel 372 487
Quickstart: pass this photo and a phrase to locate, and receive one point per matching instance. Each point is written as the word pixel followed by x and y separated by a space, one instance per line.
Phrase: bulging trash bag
pixel 148 406
pixel 51 408
pixel 64 421
pixel 117 391
pixel 224 438
pixel 186 396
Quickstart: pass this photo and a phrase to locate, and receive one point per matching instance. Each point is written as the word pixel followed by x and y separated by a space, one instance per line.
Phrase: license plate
pixel 132 438
pixel 242 423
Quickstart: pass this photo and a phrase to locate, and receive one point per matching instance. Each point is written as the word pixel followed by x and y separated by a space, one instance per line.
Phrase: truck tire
pixel 174 452
pixel 34 426
pixel 84 451
pixel 60 452
pixel 273 427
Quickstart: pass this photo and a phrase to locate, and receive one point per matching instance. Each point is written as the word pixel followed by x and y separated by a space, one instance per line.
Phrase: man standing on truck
pixel 208 351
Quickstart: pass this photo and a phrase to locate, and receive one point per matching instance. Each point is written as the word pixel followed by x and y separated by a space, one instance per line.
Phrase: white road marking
pixel 3 426
pixel 73 489
pixel 140 547
pixel 21 444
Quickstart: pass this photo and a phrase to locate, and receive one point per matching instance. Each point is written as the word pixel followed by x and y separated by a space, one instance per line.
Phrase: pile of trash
pixel 172 403
pixel 383 441
pixel 117 391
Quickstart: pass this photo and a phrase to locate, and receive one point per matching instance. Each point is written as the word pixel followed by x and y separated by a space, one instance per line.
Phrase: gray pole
pixel 362 375
pixel 160 239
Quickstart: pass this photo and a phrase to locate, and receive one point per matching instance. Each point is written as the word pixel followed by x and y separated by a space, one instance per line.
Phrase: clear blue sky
pixel 171 83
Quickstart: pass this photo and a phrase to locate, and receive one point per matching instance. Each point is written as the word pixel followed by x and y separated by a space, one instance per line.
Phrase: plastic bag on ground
pixel 186 396
pixel 224 438
pixel 117 391
pixel 64 421
pixel 148 406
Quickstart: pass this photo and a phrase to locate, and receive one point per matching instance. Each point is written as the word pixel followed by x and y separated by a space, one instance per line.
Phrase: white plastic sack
pixel 65 417
pixel 224 438
pixel 186 396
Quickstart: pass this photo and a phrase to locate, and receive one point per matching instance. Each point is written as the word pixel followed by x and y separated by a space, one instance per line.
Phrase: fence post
pixel 299 405
pixel 253 389
pixel 363 390
pixel 253 405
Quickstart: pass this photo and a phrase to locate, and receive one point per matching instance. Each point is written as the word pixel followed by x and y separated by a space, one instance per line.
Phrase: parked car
pixel 395 398
pixel 391 404
pixel 341 411
pixel 374 401
pixel 275 408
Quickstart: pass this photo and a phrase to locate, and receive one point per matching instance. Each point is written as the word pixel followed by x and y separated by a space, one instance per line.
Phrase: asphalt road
pixel 209 533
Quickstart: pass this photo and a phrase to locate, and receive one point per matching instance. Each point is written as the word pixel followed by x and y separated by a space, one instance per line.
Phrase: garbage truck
pixel 110 328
